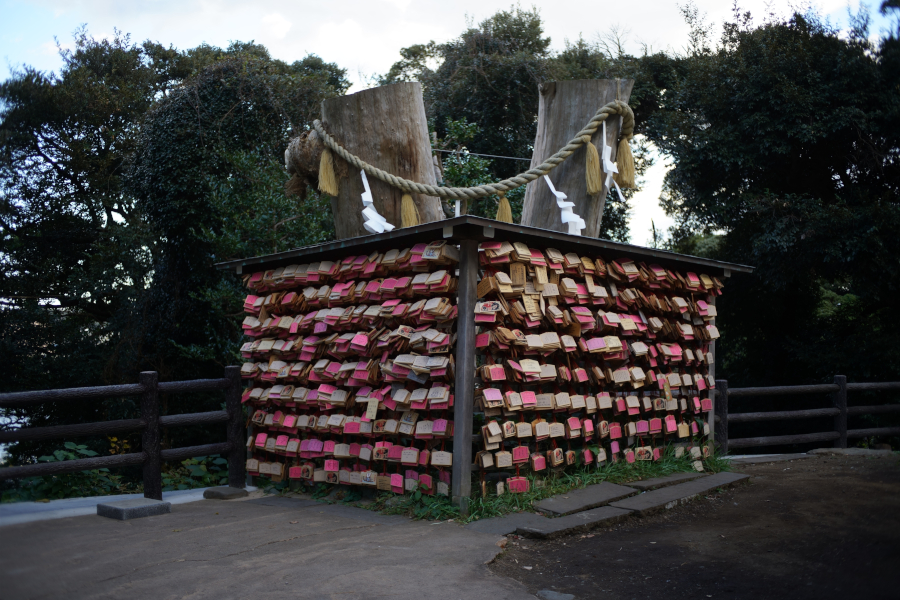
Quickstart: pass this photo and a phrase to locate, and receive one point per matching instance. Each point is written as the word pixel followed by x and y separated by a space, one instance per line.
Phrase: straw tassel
pixel 409 215
pixel 593 176
pixel 327 178
pixel 625 164
pixel 504 211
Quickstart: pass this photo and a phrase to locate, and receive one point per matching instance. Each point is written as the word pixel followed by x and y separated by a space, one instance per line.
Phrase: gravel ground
pixel 823 527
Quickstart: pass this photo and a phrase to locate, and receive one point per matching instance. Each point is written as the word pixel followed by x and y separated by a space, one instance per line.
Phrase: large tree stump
pixel 387 128
pixel 564 108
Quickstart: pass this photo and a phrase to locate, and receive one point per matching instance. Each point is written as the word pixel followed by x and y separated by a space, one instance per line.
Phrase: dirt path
pixel 823 527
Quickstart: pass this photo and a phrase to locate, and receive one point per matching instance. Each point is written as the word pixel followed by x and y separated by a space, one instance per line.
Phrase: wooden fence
pixel 151 455
pixel 839 410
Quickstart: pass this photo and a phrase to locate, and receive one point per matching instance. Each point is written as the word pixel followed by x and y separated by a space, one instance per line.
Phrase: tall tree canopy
pixel 785 140
pixel 489 77
pixel 123 178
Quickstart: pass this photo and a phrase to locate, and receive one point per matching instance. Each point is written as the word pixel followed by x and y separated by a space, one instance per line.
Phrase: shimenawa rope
pixel 616 107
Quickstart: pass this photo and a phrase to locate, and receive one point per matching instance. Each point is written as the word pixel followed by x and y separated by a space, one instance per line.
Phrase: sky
pixel 365 36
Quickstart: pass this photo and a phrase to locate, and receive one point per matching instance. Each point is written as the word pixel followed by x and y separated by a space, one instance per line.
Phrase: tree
pixel 489 78
pixel 117 198
pixel 785 141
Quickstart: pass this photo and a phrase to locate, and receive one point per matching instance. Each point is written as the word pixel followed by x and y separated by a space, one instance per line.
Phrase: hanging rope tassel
pixel 327 178
pixel 409 215
pixel 504 211
pixel 592 174
pixel 625 164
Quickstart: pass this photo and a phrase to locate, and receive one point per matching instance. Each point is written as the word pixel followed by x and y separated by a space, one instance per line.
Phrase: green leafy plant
pixel 198 472
pixel 93 482
pixel 420 506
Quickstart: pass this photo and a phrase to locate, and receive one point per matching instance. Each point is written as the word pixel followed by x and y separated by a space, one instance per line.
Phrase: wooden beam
pixel 464 389
pixel 839 399
pixel 776 415
pixel 866 410
pixel 204 418
pixel 720 409
pixel 787 390
pixel 876 431
pixel 386 127
pixel 192 451
pixel 17 399
pixel 564 107
pixel 71 466
pixel 150 442
pixel 196 385
pixel 30 434
pixel 783 440
pixel 885 385
pixel 237 461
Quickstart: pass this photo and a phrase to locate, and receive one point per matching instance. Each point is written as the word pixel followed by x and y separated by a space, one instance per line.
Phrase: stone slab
pixel 660 482
pixel 583 499
pixel 852 451
pixel 551 595
pixel 135 508
pixel 574 523
pixel 768 458
pixel 224 493
pixel 665 498
pixel 506 525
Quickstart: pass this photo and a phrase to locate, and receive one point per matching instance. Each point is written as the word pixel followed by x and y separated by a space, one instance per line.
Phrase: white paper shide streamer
pixel 374 222
pixel 575 223
pixel 609 165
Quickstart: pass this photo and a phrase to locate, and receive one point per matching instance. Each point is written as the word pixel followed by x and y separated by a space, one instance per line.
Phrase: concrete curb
pixel 582 521
pixel 583 499
pixel 655 501
pixel 135 508
pixel 14 513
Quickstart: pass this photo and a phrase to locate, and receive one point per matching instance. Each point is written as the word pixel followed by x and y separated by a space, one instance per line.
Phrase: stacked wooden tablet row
pixel 585 360
pixel 350 369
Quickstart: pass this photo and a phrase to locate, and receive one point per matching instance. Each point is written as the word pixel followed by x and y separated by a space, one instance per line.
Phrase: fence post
pixel 840 402
pixel 149 380
pixel 464 393
pixel 720 404
pixel 236 462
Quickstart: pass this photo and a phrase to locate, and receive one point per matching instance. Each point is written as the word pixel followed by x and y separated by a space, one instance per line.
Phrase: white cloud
pixel 400 4
pixel 276 25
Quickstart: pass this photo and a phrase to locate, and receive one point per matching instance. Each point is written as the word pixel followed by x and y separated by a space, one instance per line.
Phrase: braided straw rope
pixel 615 107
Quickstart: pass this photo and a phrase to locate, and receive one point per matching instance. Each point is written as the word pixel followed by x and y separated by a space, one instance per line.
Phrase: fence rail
pixel 839 411
pixel 151 455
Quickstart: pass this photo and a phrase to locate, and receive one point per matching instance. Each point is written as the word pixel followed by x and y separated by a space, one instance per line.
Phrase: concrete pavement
pixel 262 548
pixel 13 513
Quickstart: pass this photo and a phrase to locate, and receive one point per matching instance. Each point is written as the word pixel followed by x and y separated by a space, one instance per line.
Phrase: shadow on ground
pixel 824 527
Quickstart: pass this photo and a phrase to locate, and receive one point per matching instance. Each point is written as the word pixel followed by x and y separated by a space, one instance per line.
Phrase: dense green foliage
pixel 125 176
pixel 489 77
pixel 784 139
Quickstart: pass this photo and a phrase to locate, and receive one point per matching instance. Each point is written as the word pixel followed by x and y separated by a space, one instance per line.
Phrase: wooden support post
pixel 564 108
pixel 720 403
pixel 711 417
pixel 150 446
pixel 386 127
pixel 840 402
pixel 464 393
pixel 235 433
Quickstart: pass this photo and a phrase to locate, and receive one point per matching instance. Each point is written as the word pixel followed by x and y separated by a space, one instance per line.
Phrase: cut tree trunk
pixel 565 107
pixel 387 128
